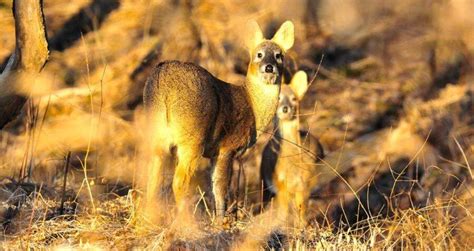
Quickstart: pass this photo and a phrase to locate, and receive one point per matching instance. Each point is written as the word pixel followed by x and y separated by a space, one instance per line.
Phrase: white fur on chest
pixel 264 101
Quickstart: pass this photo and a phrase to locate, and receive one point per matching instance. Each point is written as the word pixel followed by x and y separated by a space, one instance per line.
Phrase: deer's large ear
pixel 254 35
pixel 285 36
pixel 299 84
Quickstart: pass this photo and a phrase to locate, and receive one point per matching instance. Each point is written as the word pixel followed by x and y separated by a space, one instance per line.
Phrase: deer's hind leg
pixel 159 163
pixel 160 174
pixel 188 157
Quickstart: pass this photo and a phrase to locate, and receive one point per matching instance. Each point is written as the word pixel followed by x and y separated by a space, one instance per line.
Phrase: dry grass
pixel 115 224
pixel 391 105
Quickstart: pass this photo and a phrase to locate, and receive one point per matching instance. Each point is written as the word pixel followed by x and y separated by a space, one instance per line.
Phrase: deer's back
pixel 199 108
pixel 172 80
pixel 183 98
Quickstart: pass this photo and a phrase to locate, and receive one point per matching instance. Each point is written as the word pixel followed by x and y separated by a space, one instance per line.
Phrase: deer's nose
pixel 284 109
pixel 269 68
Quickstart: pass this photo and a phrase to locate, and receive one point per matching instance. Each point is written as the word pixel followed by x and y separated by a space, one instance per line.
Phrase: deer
pixel 289 166
pixel 192 114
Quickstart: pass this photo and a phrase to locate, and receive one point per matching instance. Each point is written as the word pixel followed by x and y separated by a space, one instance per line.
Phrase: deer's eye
pixel 293 98
pixel 279 56
pixel 259 55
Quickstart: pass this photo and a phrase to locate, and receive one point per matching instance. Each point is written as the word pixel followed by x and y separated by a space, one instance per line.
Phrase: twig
pixel 464 156
pixel 96 173
pixel 84 166
pixel 317 71
pixel 66 170
pixel 34 122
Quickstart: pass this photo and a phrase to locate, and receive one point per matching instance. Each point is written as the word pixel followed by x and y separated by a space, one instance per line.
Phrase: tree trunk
pixel 30 55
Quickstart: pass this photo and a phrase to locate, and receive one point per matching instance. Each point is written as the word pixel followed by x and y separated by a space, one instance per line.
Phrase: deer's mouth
pixel 269 78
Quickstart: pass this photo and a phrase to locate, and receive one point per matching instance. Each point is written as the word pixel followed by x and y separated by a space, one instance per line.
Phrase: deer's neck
pixel 289 130
pixel 263 100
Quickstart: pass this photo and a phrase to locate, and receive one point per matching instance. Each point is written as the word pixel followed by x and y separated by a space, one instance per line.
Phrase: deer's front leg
pixel 221 182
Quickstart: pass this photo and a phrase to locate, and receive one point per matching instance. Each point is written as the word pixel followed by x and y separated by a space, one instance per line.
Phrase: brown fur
pixel 192 114
pixel 288 167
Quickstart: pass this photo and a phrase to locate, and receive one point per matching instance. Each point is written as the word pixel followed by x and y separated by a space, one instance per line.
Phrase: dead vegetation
pixel 392 101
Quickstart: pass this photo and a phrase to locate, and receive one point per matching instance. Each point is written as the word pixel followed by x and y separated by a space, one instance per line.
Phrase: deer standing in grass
pixel 288 168
pixel 193 114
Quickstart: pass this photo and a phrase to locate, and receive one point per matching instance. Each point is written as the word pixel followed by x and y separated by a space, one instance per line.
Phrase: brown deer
pixel 193 114
pixel 289 160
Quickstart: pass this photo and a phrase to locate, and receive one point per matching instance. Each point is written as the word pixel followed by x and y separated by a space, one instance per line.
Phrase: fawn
pixel 193 114
pixel 288 168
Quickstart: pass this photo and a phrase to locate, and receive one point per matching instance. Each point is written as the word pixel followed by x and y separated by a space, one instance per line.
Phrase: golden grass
pixel 115 224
